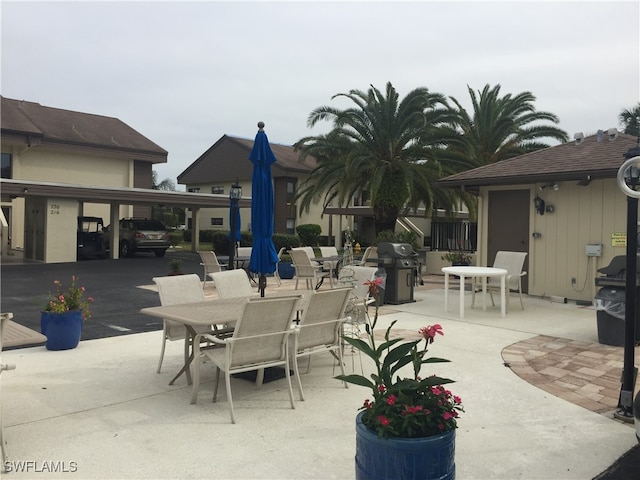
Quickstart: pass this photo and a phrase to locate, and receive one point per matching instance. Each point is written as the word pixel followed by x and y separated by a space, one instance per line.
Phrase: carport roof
pixel 589 159
pixel 124 196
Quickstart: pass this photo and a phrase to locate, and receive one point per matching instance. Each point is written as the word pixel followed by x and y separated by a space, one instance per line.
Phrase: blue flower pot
pixel 63 330
pixel 286 270
pixel 427 458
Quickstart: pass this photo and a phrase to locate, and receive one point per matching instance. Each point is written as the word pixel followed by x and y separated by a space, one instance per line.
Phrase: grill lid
pixel 395 250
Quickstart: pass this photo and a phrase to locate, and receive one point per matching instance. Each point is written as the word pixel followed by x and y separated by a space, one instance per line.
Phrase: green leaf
pixel 356 380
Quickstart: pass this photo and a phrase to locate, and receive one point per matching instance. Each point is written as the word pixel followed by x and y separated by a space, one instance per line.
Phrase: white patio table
pixel 482 272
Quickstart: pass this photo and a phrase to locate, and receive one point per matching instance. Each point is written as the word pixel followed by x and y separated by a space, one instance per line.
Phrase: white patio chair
pixel 260 340
pixel 233 284
pixel 359 300
pixel 329 265
pixel 276 274
pixel 210 264
pixel 174 290
pixel 320 328
pixel 512 262
pixel 311 272
pixel 370 252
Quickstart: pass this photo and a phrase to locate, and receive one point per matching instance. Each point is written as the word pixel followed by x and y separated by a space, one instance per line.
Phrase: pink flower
pixel 382 388
pixel 384 421
pixel 429 332
pixel 391 400
pixel 447 416
pixel 457 399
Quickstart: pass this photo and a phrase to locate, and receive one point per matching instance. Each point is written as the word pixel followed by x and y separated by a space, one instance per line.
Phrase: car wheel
pixel 125 251
pixel 160 253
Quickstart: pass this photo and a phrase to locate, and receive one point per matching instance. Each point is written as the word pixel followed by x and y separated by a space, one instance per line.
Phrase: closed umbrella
pixel 263 253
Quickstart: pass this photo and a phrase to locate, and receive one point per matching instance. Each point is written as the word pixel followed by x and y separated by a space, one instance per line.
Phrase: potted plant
pixel 457 257
pixel 175 266
pixel 408 429
pixel 285 267
pixel 64 312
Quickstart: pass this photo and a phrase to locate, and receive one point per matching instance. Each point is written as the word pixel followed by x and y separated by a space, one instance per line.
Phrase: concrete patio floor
pixel 101 411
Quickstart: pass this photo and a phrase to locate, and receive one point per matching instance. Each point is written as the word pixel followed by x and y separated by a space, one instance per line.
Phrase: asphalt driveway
pixel 112 283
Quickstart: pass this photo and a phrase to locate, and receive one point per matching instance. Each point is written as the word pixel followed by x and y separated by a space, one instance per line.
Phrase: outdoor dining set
pixel 241 331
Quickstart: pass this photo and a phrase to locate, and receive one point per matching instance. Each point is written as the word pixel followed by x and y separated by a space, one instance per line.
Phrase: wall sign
pixel 618 239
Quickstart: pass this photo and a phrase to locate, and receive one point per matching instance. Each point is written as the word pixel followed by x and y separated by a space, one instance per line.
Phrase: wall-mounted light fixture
pixel 555 186
pixel 539 204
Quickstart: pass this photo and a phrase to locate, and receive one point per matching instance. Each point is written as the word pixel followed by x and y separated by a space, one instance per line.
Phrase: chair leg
pixel 296 372
pixel 164 343
pixel 288 375
pixel 520 293
pixel 227 381
pixel 297 282
pixel 215 386
pixel 259 377
pixel 196 380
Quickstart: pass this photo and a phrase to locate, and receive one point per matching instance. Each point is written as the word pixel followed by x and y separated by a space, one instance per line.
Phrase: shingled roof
pixel 35 124
pixel 595 156
pixel 228 159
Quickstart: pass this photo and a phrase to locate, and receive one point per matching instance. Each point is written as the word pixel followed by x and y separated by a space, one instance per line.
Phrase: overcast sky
pixel 185 73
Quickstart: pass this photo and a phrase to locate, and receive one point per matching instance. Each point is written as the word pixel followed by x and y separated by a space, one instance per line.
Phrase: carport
pixel 52 209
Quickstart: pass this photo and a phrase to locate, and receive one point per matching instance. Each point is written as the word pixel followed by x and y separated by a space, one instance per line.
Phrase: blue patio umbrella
pixel 263 253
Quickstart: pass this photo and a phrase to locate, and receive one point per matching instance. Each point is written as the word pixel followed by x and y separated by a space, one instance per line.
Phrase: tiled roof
pixel 57 126
pixel 596 156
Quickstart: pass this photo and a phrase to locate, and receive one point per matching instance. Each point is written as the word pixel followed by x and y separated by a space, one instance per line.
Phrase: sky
pixel 184 74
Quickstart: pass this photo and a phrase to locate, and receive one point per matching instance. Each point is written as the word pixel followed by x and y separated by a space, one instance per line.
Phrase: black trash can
pixel 610 312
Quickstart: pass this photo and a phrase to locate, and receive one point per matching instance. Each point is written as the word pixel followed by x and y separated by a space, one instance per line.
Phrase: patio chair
pixel 512 262
pixel 210 264
pixel 329 265
pixel 370 252
pixel 320 328
pixel 233 284
pixel 174 290
pixel 276 274
pixel 359 300
pixel 260 340
pixel 311 272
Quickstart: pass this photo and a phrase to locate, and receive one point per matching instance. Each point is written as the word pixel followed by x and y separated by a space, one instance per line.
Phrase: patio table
pixel 208 312
pixel 482 272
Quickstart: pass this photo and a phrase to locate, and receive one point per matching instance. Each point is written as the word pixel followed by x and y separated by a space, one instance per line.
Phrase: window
pixel 217 190
pixel 6 166
pixel 194 190
pixel 291 226
pixel 217 222
pixel 291 191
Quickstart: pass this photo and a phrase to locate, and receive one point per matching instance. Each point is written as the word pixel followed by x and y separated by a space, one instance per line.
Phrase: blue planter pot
pixel 286 270
pixel 63 330
pixel 427 458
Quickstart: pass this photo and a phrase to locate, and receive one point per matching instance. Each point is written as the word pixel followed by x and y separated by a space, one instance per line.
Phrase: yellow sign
pixel 618 239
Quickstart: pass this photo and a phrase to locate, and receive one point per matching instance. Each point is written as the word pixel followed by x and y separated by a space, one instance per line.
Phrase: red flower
pixel 384 421
pixel 382 388
pixel 429 332
pixel 391 400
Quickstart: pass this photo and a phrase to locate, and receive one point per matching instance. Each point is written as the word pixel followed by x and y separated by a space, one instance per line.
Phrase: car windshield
pixel 149 225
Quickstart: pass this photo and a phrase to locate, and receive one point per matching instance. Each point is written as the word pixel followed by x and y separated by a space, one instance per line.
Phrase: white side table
pixel 482 272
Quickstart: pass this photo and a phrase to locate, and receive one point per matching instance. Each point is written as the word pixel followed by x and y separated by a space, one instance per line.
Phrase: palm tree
pixel 383 146
pixel 630 120
pixel 500 127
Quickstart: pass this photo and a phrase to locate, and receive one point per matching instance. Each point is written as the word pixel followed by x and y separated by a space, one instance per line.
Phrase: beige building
pixel 561 205
pixel 58 164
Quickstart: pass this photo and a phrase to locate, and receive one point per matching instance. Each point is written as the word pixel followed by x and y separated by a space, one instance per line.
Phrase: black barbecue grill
pixel 399 262
pixel 611 301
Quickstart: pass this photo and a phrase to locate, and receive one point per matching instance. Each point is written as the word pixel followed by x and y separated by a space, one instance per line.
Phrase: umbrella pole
pixel 262 284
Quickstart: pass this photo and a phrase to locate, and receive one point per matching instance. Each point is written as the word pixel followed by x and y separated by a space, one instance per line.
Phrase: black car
pixel 90 240
pixel 142 235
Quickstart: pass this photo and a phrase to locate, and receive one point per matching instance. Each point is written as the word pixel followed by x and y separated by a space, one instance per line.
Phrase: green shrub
pixel 175 238
pixel 309 234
